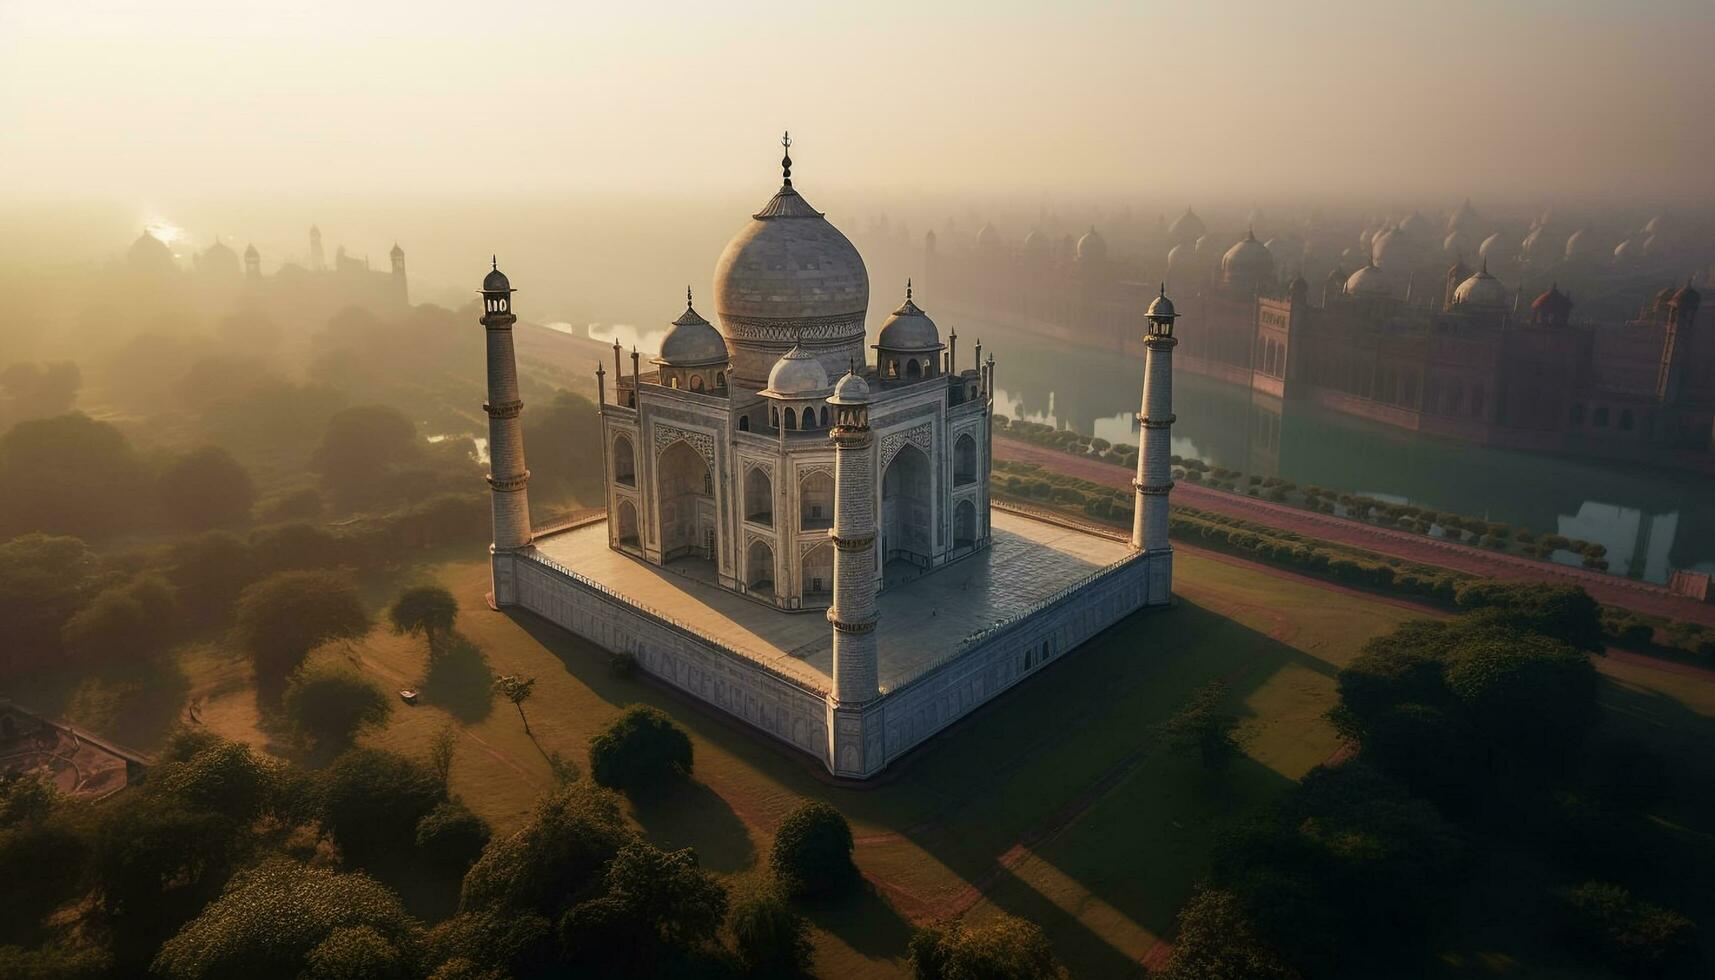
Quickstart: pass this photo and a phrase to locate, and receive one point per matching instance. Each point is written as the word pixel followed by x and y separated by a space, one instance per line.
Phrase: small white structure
pixel 772 470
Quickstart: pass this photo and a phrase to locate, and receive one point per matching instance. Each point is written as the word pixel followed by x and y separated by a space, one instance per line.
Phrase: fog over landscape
pixel 1175 491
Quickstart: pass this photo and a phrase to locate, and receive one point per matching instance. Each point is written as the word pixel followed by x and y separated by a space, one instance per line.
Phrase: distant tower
pixel 507 474
pixel 252 262
pixel 1154 455
pixel 318 260
pixel 853 611
pixel 398 257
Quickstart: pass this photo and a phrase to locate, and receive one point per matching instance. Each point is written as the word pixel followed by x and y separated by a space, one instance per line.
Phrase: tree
pixel 221 776
pixel 134 620
pixel 452 837
pixel 812 853
pixel 570 427
pixel 641 749
pixel 1603 922
pixel 205 488
pixel 1217 940
pixel 34 821
pixel 426 610
pixel 1009 948
pixel 491 946
pixel 69 474
pixel 288 547
pixel 271 917
pixel 558 857
pixel 1202 725
pixel 372 802
pixel 666 890
pixel 209 571
pixel 328 704
pixel 1565 612
pixel 355 953
pixel 360 446
pixel 441 752
pixel 517 689
pixel 283 617
pixel 43 581
pixel 771 938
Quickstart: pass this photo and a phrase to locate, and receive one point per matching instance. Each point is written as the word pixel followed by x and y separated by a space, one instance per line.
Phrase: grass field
pixel 1052 803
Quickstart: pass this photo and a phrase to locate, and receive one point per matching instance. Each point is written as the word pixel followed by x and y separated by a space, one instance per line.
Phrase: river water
pixel 1651 521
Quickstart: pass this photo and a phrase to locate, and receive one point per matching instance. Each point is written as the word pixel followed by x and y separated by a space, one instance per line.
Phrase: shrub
pixel 451 836
pixel 328 704
pixel 372 801
pixel 1008 947
pixel 1603 922
pixel 812 853
pixel 641 749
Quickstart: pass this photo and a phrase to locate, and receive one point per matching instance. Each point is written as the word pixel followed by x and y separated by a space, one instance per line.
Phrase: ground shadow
pixel 460 680
pixel 690 814
pixel 863 920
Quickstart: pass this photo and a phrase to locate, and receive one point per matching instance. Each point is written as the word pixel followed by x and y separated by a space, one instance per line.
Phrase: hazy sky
pixel 139 101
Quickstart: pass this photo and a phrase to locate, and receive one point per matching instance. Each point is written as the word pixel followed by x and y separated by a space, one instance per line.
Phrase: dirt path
pixel 1638 596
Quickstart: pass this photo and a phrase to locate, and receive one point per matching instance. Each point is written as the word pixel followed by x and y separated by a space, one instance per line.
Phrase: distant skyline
pixel 129 103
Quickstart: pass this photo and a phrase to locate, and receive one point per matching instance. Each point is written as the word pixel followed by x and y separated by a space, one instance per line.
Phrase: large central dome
pixel 790 279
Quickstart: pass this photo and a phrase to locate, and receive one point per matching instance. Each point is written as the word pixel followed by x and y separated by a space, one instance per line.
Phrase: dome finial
pixel 687 296
pixel 786 158
pixel 494 262
pixel 908 287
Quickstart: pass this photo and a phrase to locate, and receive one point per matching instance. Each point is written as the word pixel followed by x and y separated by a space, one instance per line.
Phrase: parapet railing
pixel 805 684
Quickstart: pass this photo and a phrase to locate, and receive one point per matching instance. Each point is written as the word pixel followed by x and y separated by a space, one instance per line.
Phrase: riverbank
pixel 1640 597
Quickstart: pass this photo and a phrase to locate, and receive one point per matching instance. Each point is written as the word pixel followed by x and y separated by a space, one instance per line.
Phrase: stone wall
pixel 790 711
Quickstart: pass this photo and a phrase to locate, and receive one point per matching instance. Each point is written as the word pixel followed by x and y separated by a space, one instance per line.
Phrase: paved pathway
pixel 1641 597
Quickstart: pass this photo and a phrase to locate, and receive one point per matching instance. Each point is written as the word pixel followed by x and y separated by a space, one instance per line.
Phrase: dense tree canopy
pixel 373 800
pixel 772 940
pixel 69 475
pixel 132 621
pixel 361 446
pixel 209 571
pixel 43 581
pixel 205 488
pixel 1007 948
pixel 559 857
pixel 273 916
pixel 283 617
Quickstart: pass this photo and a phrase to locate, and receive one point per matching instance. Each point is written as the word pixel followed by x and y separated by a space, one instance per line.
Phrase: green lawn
pixel 1051 803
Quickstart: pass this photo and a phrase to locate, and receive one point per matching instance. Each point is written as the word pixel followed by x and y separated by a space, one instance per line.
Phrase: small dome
pixel 692 341
pixel 1491 247
pixel 852 390
pixel 1464 219
pixel 1482 291
pixel 218 260
pixel 987 237
pixel 1458 272
pixel 149 254
pixel 1092 247
pixel 1456 243
pixel 798 374
pixel 1247 263
pixel 1538 244
pixel 1395 249
pixel 909 329
pixel 1369 281
pixel 250 253
pixel 1187 227
pixel 1581 245
pixel 1177 256
pixel 1416 225
pixel 1625 251
pixel 1036 244
pixel 1161 308
pixel 495 281
pixel 1203 245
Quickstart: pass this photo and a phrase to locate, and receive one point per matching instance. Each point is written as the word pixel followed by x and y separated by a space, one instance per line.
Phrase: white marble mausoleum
pixel 798 528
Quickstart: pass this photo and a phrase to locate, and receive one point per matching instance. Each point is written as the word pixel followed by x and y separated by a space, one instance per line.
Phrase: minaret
pixel 1154 455
pixel 507 476
pixel 853 611
pixel 318 261
pixel 399 287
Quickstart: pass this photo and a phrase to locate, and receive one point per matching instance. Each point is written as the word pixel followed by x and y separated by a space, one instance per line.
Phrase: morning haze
pixel 1192 491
